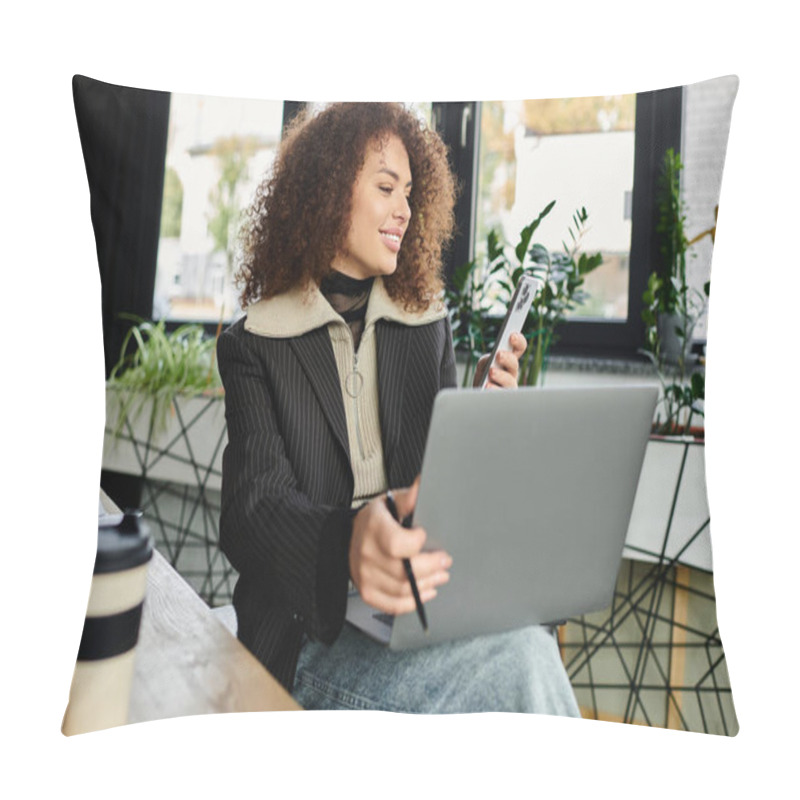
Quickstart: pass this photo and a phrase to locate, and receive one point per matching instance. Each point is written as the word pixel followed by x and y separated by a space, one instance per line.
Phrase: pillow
pixel 168 174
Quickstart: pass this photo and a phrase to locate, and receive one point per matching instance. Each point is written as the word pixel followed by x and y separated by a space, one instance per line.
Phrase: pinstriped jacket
pixel 287 484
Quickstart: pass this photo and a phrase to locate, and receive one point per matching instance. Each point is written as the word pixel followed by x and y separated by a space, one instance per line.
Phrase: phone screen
pixel 515 318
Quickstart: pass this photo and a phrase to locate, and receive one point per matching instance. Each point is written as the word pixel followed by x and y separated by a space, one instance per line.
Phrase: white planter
pixel 663 492
pixel 189 451
pixel 671 343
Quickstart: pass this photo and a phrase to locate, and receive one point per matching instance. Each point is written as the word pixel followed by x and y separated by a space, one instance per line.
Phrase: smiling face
pixel 380 212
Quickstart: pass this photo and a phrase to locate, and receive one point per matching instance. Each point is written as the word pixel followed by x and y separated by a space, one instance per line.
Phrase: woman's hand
pixel 377 549
pixel 505 373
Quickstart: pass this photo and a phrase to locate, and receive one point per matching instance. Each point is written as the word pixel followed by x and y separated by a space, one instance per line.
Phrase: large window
pixel 218 150
pixel 578 152
pixel 511 159
pixel 599 153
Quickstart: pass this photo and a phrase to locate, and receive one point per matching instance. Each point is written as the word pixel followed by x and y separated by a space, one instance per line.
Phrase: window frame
pixel 659 122
pixel 291 108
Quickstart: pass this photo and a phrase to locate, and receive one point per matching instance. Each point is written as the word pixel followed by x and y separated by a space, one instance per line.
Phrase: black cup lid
pixel 123 546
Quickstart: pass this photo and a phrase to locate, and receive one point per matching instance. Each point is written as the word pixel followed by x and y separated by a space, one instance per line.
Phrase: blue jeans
pixel 519 670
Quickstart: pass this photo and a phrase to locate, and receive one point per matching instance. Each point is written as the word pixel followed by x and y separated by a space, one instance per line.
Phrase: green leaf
pixel 587 264
pixel 507 286
pixel 524 241
pixel 539 254
pixel 461 275
pixel 494 245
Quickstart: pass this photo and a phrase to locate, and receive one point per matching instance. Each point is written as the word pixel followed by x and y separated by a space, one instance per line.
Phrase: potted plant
pixel 164 418
pixel 670 517
pixel 672 309
pixel 165 423
pixel 481 283
pixel 668 283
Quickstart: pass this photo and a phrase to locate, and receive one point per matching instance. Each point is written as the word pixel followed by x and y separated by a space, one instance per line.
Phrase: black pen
pixel 406 523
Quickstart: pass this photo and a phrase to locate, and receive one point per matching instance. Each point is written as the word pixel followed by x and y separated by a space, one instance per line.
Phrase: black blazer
pixel 287 484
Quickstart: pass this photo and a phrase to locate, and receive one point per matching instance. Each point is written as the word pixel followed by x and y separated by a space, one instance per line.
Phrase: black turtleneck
pixel 348 297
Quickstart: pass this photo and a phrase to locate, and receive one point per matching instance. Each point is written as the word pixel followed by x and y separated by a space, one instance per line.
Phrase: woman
pixel 330 381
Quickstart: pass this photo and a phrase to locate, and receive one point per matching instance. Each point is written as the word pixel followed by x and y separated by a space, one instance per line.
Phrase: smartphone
pixel 515 316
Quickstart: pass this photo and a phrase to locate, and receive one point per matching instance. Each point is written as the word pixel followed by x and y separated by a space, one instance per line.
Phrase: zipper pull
pixel 354 382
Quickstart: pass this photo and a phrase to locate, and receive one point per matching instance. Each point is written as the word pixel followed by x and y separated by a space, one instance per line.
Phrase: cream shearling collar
pixel 300 310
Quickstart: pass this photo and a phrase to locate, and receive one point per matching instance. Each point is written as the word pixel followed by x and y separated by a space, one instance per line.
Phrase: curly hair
pixel 298 222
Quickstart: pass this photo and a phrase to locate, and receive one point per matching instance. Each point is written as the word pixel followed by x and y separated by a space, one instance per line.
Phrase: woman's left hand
pixel 505 372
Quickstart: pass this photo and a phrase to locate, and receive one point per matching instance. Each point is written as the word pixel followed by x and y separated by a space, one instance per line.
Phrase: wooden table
pixel 187 662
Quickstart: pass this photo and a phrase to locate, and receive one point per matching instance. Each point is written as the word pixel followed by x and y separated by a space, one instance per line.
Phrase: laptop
pixel 531 492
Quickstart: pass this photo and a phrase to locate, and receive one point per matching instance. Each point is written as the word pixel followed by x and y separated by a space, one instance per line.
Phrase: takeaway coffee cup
pixel 101 684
